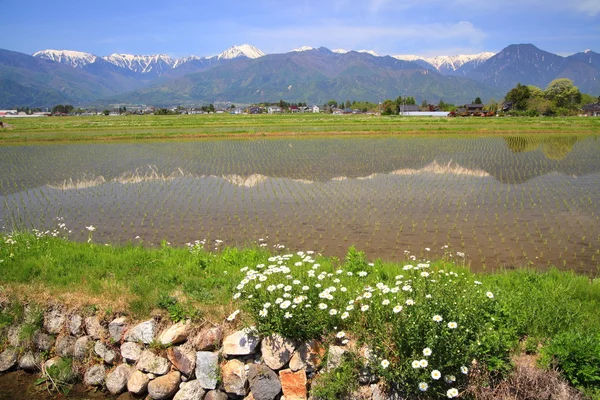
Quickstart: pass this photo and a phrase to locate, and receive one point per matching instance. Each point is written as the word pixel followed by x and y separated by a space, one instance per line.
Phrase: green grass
pixel 137 127
pixel 494 312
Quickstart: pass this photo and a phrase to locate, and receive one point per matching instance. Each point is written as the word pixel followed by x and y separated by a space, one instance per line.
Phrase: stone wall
pixel 164 360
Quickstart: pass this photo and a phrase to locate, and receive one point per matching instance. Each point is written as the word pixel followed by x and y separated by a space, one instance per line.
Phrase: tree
pixel 348 104
pixel 332 103
pixel 563 93
pixel 518 96
pixel 477 100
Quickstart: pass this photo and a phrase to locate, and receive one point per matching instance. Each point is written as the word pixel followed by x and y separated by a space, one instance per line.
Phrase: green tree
pixel 477 100
pixel 518 96
pixel 563 93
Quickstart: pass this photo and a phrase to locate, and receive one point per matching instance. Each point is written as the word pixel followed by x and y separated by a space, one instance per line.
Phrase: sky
pixel 389 27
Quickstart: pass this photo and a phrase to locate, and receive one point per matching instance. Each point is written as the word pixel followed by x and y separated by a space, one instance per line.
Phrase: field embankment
pixel 136 127
pixel 434 329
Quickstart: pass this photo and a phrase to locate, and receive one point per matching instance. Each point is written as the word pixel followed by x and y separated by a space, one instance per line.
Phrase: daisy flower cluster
pixel 423 324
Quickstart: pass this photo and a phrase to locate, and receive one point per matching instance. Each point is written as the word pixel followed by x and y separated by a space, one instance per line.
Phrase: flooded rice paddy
pixel 502 201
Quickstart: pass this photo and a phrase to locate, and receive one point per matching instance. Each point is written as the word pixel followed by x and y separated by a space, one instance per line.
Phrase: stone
pixel 191 390
pixel 251 397
pixel 293 384
pixel 81 348
pixel 143 332
pixel 117 327
pixel 138 382
pixel 240 343
pixel 264 383
pixel 334 358
pixel 75 325
pixel 54 321
pixel 164 387
pixel 183 359
pixel 234 377
pixel 116 381
pixel 43 341
pixel 277 351
pixel 308 356
pixel 95 375
pixel 209 339
pixel 175 334
pixel 65 346
pixel 93 328
pixel 216 395
pixel 29 362
pixel 150 362
pixel 106 353
pixel 8 359
pixel 131 351
pixel 13 336
pixel 207 369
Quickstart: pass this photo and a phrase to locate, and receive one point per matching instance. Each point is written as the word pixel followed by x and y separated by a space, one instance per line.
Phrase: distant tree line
pixel 561 97
pixel 62 109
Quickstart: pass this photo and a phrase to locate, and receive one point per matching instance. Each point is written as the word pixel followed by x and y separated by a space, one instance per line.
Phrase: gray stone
pixel 175 334
pixel 116 381
pixel 334 357
pixel 241 343
pixel 191 390
pixel 43 341
pixel 54 321
pixel 164 387
pixel 93 328
pixel 209 339
pixel 106 353
pixel 82 347
pixel 150 362
pixel 216 395
pixel 13 336
pixel 65 346
pixel 117 327
pixel 75 325
pixel 29 362
pixel 95 375
pixel 277 351
pixel 182 358
pixel 308 355
pixel 131 351
pixel 234 377
pixel 138 382
pixel 8 359
pixel 207 369
pixel 142 333
pixel 264 383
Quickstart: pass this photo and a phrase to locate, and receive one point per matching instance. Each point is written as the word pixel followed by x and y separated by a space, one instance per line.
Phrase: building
pixel 591 110
pixel 316 109
pixel 274 109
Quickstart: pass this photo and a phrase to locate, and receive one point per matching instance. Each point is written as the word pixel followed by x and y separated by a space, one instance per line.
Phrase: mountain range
pixel 244 74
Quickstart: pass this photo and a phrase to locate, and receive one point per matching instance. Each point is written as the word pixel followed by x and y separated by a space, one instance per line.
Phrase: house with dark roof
pixel 591 110
pixel 404 108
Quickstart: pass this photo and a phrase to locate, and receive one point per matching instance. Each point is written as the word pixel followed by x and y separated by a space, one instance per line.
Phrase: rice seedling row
pixel 512 201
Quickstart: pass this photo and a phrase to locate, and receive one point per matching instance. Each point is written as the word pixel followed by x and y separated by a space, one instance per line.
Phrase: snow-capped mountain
pixel 371 52
pixel 451 65
pixel 142 64
pixel 340 51
pixel 303 48
pixel 244 50
pixel 76 59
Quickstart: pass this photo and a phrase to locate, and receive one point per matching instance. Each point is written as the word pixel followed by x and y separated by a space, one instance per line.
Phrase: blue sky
pixel 204 28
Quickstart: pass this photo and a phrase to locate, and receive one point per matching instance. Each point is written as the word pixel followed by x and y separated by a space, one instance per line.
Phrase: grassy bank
pixel 436 314
pixel 136 127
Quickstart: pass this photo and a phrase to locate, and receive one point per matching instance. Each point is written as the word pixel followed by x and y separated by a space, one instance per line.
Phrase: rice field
pixel 492 201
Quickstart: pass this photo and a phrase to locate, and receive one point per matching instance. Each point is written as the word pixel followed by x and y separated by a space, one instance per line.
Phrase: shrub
pixel 577 357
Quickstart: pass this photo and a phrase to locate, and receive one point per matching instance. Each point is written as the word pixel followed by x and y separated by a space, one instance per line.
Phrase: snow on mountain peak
pixel 448 62
pixel 408 57
pixel 244 50
pixel 304 48
pixel 340 51
pixel 140 63
pixel 76 59
pixel 371 52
